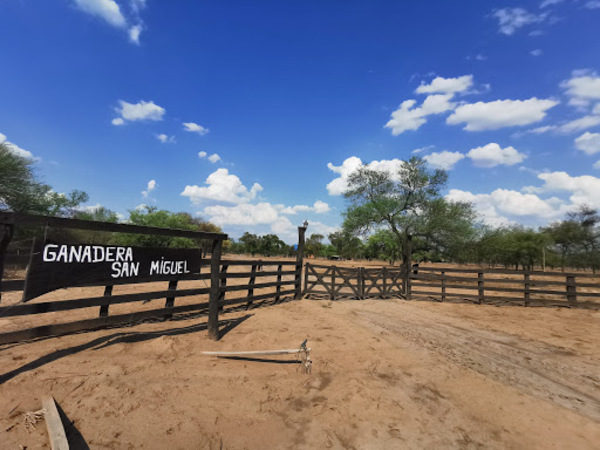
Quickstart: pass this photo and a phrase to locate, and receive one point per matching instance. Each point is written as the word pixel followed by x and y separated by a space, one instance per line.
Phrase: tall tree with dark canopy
pixel 408 203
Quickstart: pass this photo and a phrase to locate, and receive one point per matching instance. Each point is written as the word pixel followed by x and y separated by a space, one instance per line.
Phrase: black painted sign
pixel 55 266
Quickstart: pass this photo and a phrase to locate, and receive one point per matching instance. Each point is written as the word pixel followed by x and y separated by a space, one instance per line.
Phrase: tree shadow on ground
pixel 122 337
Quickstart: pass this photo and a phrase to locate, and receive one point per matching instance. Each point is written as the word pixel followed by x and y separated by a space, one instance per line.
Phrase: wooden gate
pixel 358 283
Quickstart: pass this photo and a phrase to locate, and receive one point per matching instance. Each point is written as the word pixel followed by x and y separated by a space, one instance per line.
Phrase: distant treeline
pixel 388 218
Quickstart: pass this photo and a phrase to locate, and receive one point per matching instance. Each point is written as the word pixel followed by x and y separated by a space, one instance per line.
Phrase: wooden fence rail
pixel 497 285
pixel 212 298
pixel 357 282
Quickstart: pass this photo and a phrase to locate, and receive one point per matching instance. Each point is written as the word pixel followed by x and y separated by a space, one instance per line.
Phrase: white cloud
pixel 547 3
pixel 339 185
pixel 150 187
pixel 214 158
pixel 15 149
pixel 583 123
pixel 319 207
pixel 592 4
pixel 536 52
pixel 416 151
pixel 596 165
pixel 408 117
pixel 107 10
pixel 584 189
pixel 583 87
pixel 242 214
pixel 195 128
pixel 494 207
pixel 492 155
pixel 222 187
pixel 588 143
pixel 141 207
pixel 134 33
pixel 446 85
pixel 110 12
pixel 165 139
pixel 500 113
pixel 511 19
pixel 443 160
pixel 142 110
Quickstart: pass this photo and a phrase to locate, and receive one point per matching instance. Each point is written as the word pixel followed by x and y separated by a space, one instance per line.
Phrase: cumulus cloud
pixel 588 143
pixel 242 214
pixel 340 184
pixel 133 112
pixel 592 4
pixel 165 139
pixel 500 113
pixel 408 117
pixel 319 207
pixel 441 90
pixel 443 160
pixel 150 187
pixel 110 12
pixel 583 87
pixel 212 158
pixel 195 128
pixel 583 189
pixel 441 85
pixel 511 19
pixel 222 187
pixel 493 208
pixel 15 149
pixel 492 155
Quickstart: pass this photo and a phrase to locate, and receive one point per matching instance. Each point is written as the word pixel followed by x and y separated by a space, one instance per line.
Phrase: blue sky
pixel 252 114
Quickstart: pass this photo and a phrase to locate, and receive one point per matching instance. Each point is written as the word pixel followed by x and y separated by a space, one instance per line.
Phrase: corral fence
pixel 215 286
pixel 335 282
pixel 496 286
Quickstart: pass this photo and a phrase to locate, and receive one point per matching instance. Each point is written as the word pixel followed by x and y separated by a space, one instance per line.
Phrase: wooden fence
pixel 528 288
pixel 357 282
pixel 223 284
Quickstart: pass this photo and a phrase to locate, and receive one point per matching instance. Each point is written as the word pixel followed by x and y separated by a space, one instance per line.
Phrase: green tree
pixel 347 244
pixel 20 191
pixel 153 217
pixel 407 203
pixel 314 244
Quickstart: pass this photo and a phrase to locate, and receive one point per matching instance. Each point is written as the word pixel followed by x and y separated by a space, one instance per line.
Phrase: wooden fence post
pixel 443 286
pixel 278 289
pixel 213 302
pixel 480 287
pixel 527 291
pixel 383 282
pixel 299 261
pixel 170 300
pixel 361 282
pixel 305 278
pixel 571 290
pixel 107 293
pixel 251 285
pixel 332 282
pixel 222 286
pixel 6 235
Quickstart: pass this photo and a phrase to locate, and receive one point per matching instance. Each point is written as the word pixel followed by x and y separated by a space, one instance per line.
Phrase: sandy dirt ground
pixel 386 374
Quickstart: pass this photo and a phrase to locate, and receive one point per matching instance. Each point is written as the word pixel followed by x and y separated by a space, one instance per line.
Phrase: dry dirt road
pixel 386 374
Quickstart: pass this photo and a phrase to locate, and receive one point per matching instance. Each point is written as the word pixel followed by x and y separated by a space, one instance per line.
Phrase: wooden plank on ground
pixel 56 431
